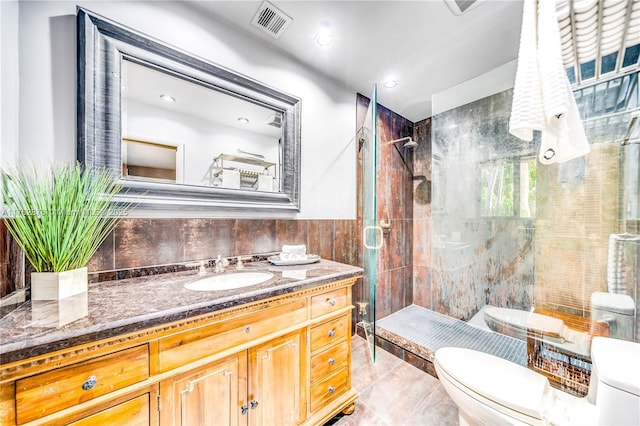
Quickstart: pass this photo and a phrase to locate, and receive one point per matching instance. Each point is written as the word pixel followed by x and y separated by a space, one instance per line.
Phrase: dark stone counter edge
pixel 42 345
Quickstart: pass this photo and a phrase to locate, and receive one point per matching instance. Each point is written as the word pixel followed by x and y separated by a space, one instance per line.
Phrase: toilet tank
pixel 615 381
pixel 617 310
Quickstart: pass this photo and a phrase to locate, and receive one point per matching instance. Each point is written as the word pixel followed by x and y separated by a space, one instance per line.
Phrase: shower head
pixel 411 144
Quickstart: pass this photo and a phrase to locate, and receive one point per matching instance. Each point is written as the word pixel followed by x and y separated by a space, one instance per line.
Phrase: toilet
pixel 489 390
pixel 618 311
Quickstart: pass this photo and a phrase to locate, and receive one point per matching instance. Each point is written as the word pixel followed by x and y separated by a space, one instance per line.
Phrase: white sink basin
pixel 229 281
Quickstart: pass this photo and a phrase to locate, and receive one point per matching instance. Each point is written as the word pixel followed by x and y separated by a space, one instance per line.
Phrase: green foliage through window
pixel 508 188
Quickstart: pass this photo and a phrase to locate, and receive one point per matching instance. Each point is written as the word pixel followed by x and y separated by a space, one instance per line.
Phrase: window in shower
pixel 508 188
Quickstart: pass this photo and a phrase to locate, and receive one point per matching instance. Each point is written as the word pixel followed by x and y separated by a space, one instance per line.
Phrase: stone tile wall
pixel 159 243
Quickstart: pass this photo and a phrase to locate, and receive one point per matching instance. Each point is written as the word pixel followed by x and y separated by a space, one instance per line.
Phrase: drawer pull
pixel 332 361
pixel 332 302
pixel 332 333
pixel 90 383
pixel 254 404
pixel 247 330
pixel 332 389
pixel 244 409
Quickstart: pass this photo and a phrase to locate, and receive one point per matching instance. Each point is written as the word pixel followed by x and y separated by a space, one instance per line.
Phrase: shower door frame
pixel 371 233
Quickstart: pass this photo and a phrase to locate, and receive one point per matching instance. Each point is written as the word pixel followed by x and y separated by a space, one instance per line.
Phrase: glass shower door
pixel 371 233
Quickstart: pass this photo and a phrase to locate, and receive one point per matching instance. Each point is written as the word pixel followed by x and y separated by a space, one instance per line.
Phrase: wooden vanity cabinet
pixel 284 360
pixel 260 386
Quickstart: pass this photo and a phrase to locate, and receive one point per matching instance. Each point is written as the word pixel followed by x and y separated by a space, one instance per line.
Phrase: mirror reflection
pixel 178 131
pixel 181 132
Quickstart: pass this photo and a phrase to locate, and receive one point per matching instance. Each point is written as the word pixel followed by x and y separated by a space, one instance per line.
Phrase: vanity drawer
pixel 328 302
pixel 329 332
pixel 329 361
pixel 46 393
pixel 328 389
pixel 180 349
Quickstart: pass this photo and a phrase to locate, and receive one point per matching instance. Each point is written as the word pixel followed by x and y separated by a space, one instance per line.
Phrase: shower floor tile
pixel 422 331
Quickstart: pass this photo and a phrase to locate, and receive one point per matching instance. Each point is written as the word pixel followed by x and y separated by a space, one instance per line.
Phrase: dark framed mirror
pixel 181 132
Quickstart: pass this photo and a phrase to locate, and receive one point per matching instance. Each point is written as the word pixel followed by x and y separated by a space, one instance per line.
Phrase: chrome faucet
pixel 220 264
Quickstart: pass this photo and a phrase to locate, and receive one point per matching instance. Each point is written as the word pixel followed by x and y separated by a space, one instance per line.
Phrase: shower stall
pixel 512 233
pixel 498 237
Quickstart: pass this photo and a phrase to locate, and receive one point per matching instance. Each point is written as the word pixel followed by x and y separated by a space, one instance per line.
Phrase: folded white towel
pixel 296 249
pixel 542 96
pixel 293 252
pixel 293 256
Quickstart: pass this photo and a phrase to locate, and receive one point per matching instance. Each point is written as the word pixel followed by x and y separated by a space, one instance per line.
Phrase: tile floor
pixel 393 392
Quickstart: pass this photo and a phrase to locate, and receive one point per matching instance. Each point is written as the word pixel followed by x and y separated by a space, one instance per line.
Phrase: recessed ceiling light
pixel 168 98
pixel 324 37
pixel 243 120
pixel 389 83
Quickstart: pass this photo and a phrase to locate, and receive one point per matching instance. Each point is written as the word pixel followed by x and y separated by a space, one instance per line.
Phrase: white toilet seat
pixel 516 396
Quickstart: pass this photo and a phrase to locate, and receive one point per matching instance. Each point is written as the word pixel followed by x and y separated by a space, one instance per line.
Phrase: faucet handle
pixel 239 264
pixel 199 264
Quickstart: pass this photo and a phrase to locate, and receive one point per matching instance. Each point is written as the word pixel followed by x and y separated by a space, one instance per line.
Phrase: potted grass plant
pixel 59 216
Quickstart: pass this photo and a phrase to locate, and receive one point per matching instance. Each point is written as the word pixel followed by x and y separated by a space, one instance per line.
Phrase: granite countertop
pixel 112 308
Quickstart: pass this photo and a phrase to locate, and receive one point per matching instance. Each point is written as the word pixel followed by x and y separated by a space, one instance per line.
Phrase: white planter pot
pixel 58 285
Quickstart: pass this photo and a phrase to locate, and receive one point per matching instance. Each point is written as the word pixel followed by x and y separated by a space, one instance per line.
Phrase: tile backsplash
pixel 157 243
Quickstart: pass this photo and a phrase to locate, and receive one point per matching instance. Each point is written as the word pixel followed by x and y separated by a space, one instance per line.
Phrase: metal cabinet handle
pixel 332 302
pixel 332 361
pixel 90 383
pixel 332 389
pixel 247 330
pixel 244 409
pixel 254 404
pixel 332 333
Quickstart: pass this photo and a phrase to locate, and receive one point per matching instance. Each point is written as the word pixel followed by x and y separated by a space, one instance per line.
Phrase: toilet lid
pixel 616 362
pixel 616 303
pixel 501 381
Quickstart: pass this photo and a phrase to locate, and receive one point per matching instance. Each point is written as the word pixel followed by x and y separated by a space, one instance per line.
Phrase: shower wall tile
pixel 407 285
pixel 422 287
pixel 397 286
pixel 421 213
pixel 421 242
pixel 383 294
pixel 495 264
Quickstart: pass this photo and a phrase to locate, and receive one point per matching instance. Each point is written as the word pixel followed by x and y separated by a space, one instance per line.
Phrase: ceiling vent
pixel 271 20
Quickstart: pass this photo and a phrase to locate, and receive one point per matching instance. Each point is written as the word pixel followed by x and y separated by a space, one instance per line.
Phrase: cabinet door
pixel 210 395
pixel 276 374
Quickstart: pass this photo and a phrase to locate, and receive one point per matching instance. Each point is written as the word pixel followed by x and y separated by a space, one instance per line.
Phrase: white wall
pixel 48 78
pixel 8 80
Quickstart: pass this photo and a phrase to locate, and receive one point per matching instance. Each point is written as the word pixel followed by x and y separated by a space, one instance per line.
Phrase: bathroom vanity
pixel 150 351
